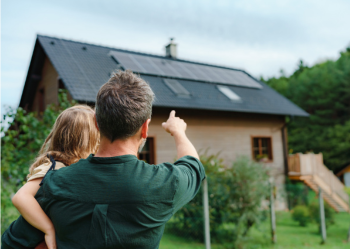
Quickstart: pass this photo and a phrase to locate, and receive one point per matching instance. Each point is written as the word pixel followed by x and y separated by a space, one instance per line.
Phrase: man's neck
pixel 117 148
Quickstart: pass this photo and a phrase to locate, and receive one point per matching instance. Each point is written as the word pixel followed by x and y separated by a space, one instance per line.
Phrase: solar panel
pixel 177 88
pixel 194 70
pixel 126 61
pixel 147 65
pixel 167 69
pixel 183 70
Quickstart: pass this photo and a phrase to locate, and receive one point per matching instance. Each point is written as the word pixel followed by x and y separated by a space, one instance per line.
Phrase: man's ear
pixel 96 123
pixel 144 128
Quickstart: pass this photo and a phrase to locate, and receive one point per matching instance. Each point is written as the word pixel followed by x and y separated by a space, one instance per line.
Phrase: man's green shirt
pixel 115 202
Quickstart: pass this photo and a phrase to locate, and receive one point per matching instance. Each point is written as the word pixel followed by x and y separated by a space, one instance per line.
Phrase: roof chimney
pixel 170 49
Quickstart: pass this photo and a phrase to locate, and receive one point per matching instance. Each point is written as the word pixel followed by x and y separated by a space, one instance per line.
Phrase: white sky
pixel 261 37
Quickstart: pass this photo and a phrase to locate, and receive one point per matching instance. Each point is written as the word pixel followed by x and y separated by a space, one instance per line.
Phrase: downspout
pixel 285 156
pixel 285 149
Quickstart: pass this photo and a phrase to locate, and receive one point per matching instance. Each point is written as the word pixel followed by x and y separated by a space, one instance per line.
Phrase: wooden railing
pixel 312 165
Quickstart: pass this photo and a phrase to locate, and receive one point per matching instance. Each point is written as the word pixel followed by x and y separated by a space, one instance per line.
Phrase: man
pixel 112 199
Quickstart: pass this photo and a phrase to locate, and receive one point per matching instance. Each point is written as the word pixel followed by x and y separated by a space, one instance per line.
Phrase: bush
pixel 235 196
pixel 298 194
pixel 19 146
pixel 314 209
pixel 301 214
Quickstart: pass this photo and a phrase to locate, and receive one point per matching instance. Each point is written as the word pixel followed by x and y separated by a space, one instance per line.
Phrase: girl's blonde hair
pixel 73 136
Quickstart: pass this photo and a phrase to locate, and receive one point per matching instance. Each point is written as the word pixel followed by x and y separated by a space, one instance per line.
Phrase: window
pixel 148 152
pixel 177 88
pixel 262 148
pixel 229 93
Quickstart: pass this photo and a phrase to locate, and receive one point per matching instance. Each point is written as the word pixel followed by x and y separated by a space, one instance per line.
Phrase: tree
pixel 324 92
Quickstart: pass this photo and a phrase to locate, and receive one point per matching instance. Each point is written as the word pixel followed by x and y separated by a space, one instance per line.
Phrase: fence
pixel 299 194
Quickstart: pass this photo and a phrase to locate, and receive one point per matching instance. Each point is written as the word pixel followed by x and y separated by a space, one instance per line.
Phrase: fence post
pixel 349 226
pixel 272 213
pixel 322 216
pixel 206 214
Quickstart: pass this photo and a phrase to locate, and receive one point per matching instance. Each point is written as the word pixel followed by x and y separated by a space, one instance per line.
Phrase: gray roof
pixel 84 68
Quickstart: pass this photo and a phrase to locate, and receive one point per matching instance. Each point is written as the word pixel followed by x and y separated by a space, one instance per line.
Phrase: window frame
pixel 270 147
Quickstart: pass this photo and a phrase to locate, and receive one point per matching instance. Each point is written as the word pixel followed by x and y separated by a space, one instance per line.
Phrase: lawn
pixel 289 235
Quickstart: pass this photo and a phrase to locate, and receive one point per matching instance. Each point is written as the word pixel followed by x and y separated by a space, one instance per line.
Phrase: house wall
pixel 50 84
pixel 224 132
pixel 347 179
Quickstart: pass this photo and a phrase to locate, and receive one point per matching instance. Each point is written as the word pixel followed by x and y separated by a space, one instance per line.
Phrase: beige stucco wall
pixel 224 132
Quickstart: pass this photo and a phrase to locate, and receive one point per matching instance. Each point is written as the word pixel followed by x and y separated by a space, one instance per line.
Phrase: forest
pixel 322 90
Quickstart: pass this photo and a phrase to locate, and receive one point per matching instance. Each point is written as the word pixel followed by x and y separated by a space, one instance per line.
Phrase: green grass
pixel 289 236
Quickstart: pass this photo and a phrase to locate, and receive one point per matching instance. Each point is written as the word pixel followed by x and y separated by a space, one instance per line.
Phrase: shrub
pixel 298 194
pixel 235 196
pixel 314 209
pixel 301 214
pixel 19 146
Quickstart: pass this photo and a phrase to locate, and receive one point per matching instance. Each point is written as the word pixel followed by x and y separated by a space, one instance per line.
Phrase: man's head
pixel 123 105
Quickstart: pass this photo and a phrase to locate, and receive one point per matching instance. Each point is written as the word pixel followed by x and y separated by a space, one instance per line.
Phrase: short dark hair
pixel 123 104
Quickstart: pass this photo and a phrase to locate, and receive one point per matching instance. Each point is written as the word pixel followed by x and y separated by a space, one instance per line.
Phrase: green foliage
pixel 289 236
pixel 301 214
pixel 19 146
pixel 324 92
pixel 347 190
pixel 298 194
pixel 314 209
pixel 235 196
pixel 304 214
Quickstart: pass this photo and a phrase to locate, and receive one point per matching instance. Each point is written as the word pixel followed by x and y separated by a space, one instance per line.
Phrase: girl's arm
pixel 31 211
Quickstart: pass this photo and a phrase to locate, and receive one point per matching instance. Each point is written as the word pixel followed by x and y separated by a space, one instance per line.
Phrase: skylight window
pixel 229 93
pixel 177 88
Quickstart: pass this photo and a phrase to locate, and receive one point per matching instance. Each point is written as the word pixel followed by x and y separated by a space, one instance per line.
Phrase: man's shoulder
pixel 82 163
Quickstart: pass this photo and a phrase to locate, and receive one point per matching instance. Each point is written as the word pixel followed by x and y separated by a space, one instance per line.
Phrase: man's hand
pixel 174 124
pixel 177 127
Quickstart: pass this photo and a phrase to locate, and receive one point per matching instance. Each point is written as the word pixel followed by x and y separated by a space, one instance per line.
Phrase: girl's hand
pixel 50 239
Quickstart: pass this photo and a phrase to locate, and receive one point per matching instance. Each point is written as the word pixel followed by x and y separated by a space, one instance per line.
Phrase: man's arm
pixel 190 171
pixel 177 127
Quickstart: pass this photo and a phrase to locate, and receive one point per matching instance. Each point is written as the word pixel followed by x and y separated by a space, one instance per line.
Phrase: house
pixel 226 109
pixel 344 174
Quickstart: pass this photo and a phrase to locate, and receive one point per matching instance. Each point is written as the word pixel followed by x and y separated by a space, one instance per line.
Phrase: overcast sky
pixel 261 37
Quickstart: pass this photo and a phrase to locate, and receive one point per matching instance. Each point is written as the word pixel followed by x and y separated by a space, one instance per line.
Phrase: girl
pixel 73 136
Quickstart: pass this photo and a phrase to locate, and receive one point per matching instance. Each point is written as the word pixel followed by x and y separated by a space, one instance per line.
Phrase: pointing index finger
pixel 172 114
